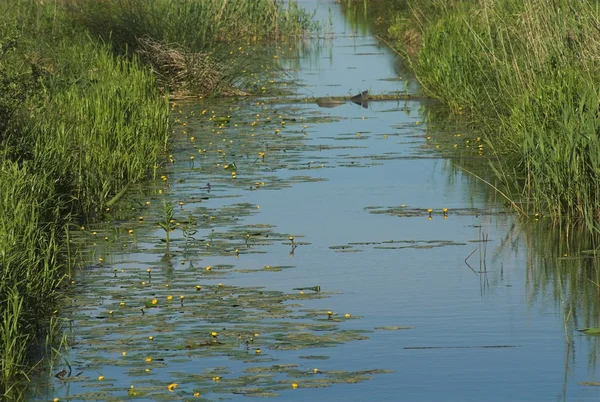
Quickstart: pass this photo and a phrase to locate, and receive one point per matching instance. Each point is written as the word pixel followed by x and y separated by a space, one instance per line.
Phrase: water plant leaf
pixel 313 288
pixel 590 331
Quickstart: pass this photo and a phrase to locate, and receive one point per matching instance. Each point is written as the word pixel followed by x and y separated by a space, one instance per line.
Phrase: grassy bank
pixel 196 47
pixel 79 125
pixel 524 72
pixel 83 114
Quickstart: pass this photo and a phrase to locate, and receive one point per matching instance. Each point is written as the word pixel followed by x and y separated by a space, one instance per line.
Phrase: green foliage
pixel 81 119
pixel 195 25
pixel 526 73
pixel 30 268
pixel 77 124
pixel 167 220
pixel 196 47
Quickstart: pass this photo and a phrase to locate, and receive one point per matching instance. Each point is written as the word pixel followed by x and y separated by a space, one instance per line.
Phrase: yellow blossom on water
pixel 196 394
pixel 110 311
pixel 209 268
pixel 216 378
pixel 214 334
pixel 347 315
pixel 143 283
pixel 130 231
pixel 257 351
pixel 430 210
pixel 148 359
pixel 147 202
pixel 150 338
pixel 294 386
pixel 220 285
pixel 182 297
pixel 169 297
pixel 154 301
pixel 123 353
pixel 172 387
pixel 122 304
pixel 100 377
pixel 198 287
pixel 315 370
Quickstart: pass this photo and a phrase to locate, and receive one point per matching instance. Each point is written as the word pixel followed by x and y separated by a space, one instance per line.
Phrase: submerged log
pixel 333 101
pixel 360 99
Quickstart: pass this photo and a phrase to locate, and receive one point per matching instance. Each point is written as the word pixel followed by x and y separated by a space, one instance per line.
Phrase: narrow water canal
pixel 316 272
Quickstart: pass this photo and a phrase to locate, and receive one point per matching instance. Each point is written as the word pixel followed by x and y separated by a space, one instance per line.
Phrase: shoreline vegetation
pixel 84 113
pixel 524 73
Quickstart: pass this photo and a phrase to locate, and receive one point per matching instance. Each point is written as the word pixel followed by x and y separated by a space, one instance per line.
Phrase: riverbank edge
pixel 523 73
pixel 81 123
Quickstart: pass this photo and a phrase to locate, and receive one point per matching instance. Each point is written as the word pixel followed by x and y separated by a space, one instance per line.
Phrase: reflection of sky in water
pixel 430 289
pixel 344 62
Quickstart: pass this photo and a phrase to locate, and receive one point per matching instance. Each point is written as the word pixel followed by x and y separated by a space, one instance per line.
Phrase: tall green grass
pixel 30 267
pixel 196 47
pixel 78 125
pixel 81 118
pixel 526 72
pixel 196 25
pixel 101 125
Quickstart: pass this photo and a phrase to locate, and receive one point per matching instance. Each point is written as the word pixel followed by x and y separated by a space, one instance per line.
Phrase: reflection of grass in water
pixel 561 266
pixel 396 245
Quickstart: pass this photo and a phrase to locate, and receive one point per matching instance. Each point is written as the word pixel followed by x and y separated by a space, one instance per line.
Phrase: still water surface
pixel 352 185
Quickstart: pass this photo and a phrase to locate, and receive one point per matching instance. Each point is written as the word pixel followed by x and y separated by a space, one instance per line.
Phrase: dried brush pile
pixel 185 73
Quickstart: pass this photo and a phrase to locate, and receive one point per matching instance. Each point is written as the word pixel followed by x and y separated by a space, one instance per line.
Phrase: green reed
pixel 195 47
pixel 31 270
pixel 79 123
pixel 197 25
pixel 525 73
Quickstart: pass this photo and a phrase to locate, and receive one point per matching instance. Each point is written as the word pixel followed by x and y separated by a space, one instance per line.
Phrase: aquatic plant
pixel 167 221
